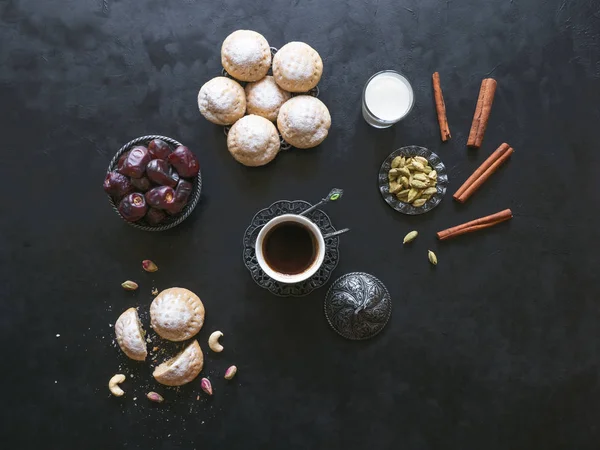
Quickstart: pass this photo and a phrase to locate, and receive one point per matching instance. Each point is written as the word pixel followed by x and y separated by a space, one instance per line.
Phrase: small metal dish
pixel 171 221
pixel 434 161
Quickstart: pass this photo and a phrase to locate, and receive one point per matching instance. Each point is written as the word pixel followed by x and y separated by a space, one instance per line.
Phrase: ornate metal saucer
pixel 332 254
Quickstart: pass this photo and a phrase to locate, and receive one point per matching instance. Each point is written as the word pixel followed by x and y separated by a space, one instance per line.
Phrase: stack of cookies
pixel 252 110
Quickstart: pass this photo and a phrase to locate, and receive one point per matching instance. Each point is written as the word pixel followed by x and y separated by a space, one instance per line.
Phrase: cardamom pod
pixel 421 160
pixel 412 194
pixel 395 188
pixel 421 177
pixel 393 173
pixel 396 162
pixel 432 257
pixel 404 182
pixel 418 166
pixel 432 175
pixel 419 202
pixel 402 194
pixel 403 171
pixel 410 237
pixel 430 191
pixel 418 184
pixel 428 169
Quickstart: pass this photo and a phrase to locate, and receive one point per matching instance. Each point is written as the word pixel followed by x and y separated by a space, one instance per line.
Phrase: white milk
pixel 388 97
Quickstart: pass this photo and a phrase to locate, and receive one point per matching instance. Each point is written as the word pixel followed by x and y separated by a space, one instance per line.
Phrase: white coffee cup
pixel 318 248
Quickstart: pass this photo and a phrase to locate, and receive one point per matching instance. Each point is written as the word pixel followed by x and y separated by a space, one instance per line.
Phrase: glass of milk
pixel 387 98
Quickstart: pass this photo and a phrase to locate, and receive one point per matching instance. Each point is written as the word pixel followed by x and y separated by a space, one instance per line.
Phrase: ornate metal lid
pixel 358 306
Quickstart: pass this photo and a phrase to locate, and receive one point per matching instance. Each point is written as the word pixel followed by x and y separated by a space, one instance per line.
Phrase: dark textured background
pixel 498 347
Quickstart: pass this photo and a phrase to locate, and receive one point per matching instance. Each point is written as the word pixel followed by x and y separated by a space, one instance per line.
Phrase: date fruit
pixel 141 184
pixel 121 162
pixel 155 216
pixel 135 164
pixel 159 149
pixel 116 184
pixel 182 194
pixel 161 173
pixel 133 207
pixel 161 197
pixel 185 162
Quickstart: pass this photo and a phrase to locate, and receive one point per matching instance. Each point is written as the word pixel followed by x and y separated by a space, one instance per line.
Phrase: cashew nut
pixel 113 385
pixel 213 342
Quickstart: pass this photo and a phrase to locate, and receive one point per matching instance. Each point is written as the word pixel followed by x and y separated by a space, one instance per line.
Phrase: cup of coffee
pixel 290 248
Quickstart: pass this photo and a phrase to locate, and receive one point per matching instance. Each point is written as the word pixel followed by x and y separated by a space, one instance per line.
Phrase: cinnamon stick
pixel 482 112
pixel 475 225
pixel 483 172
pixel 440 107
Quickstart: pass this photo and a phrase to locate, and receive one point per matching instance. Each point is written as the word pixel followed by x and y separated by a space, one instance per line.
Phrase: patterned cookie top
pixel 246 55
pixel 177 314
pixel 253 141
pixel 304 121
pixel 222 101
pixel 181 369
pixel 130 335
pixel 297 67
pixel 265 97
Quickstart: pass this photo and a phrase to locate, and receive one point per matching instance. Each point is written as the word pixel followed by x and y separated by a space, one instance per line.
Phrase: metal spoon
pixel 334 195
pixel 335 233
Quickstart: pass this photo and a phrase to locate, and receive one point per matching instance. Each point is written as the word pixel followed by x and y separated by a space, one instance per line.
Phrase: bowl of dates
pixel 153 182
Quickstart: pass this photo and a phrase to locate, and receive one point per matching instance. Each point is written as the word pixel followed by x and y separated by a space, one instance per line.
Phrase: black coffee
pixel 289 248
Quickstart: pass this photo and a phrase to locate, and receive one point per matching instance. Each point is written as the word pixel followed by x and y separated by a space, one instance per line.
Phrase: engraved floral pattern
pixel 317 280
pixel 358 306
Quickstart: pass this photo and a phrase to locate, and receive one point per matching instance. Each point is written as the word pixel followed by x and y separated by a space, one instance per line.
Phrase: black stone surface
pixel 498 347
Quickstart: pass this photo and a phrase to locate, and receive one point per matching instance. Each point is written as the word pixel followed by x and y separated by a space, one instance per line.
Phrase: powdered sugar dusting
pixel 253 141
pixel 304 121
pixel 265 98
pixel 221 94
pixel 304 114
pixel 298 61
pixel 222 100
pixel 246 55
pixel 253 134
pixel 244 51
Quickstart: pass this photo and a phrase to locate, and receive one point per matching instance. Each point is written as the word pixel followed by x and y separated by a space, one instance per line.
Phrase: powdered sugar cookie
pixel 297 67
pixel 246 55
pixel 222 101
pixel 253 141
pixel 304 121
pixel 130 335
pixel 177 314
pixel 181 369
pixel 265 97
